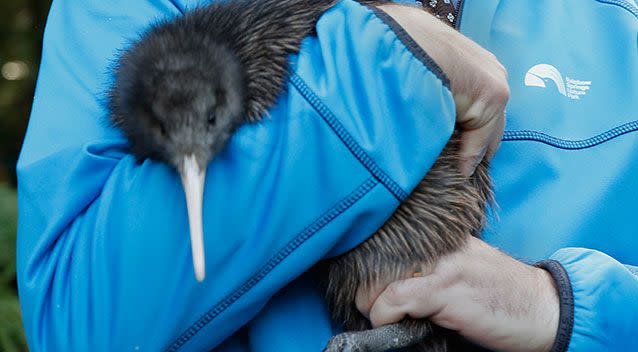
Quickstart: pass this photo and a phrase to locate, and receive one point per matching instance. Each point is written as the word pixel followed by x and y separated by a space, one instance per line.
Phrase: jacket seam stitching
pixel 179 7
pixel 536 136
pixel 346 138
pixel 414 48
pixel 625 5
pixel 459 15
pixel 308 232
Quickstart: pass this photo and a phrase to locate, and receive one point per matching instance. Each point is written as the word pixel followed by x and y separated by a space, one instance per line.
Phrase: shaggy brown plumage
pixel 263 34
pixel 188 83
pixel 437 218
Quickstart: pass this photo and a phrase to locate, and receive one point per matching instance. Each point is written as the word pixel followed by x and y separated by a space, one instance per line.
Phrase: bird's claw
pixel 345 342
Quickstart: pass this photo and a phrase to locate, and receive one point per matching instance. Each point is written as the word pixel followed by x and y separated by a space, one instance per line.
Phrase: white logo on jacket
pixel 540 74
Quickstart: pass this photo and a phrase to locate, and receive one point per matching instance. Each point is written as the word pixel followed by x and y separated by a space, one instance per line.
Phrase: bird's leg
pixel 388 337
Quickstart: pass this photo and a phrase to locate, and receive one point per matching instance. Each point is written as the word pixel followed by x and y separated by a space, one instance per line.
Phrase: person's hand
pixel 485 295
pixel 477 79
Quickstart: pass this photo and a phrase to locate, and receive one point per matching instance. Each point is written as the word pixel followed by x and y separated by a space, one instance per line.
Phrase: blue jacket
pixel 103 251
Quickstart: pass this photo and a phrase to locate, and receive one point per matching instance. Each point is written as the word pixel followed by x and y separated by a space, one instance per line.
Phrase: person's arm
pixel 103 250
pixel 591 304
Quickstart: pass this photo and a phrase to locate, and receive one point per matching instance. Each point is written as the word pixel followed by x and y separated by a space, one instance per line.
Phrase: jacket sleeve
pixel 104 259
pixel 598 301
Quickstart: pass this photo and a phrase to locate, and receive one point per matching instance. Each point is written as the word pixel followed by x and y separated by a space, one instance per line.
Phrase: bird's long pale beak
pixel 193 181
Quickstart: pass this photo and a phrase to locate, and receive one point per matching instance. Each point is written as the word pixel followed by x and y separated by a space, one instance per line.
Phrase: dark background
pixel 21 27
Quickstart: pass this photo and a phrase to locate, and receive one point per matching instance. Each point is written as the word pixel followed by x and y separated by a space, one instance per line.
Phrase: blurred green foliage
pixel 21 27
pixel 11 335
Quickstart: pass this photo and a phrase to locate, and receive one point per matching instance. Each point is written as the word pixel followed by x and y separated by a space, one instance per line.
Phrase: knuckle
pixel 501 92
pixel 398 292
pixel 394 292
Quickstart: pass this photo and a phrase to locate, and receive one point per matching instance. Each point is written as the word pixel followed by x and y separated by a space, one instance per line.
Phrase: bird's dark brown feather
pixel 231 48
pixel 436 219
pixel 240 49
pixel 263 34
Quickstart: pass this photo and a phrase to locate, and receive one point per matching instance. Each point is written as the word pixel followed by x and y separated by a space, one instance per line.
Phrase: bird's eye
pixel 212 118
pixel 162 130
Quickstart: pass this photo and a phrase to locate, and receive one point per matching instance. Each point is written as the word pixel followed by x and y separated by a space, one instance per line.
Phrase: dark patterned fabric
pixel 442 9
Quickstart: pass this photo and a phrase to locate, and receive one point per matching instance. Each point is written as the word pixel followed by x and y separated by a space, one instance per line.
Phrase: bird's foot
pixel 384 338
pixel 345 342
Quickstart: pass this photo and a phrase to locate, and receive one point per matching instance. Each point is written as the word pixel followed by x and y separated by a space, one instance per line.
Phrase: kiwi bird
pixel 188 83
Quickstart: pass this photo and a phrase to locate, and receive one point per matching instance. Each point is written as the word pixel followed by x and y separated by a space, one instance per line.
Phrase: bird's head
pixel 177 104
pixel 178 99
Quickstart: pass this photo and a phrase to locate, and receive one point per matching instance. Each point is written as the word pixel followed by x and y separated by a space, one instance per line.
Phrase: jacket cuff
pixel 566 299
pixel 604 301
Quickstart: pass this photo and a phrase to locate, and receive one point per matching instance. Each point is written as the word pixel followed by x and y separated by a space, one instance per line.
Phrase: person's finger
pixel 480 136
pixel 496 141
pixel 365 298
pixel 403 298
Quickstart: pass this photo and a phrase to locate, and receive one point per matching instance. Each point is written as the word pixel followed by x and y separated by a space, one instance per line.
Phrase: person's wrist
pixel 532 289
pixel 549 310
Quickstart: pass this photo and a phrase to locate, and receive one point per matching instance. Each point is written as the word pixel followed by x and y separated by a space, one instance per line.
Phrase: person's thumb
pixel 482 128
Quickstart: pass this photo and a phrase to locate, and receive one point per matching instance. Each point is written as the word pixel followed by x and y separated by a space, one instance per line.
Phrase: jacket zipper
pixel 457 17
